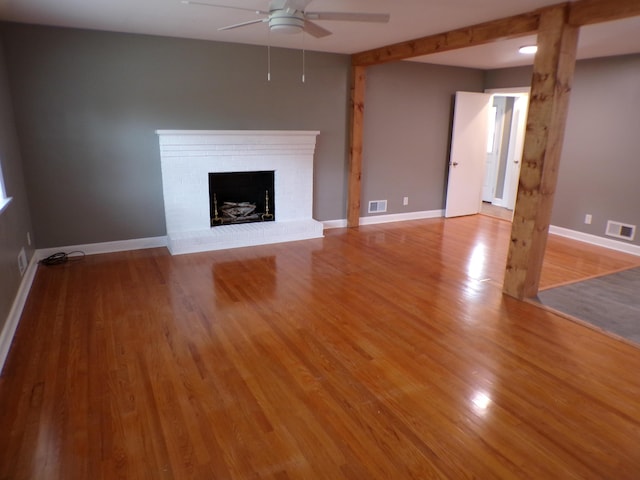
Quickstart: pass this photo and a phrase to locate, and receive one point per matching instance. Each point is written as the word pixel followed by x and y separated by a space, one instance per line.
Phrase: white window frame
pixel 4 199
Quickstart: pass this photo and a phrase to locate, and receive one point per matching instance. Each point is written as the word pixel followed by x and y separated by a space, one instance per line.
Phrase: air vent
pixel 620 230
pixel 377 206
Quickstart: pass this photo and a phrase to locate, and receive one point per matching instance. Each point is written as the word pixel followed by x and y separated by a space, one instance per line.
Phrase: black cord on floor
pixel 61 257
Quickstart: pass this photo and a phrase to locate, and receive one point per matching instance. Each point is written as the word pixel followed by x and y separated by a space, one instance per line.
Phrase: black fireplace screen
pixel 241 197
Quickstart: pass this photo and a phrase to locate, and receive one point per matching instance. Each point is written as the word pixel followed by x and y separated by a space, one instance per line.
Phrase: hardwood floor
pixel 383 352
pixel 495 211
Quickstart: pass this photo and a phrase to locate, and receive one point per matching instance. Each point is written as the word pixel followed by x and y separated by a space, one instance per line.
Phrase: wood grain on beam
pixel 587 12
pixel 550 88
pixel 358 84
pixel 511 27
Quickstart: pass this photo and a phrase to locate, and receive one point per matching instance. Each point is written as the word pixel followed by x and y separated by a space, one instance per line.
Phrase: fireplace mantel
pixel 187 158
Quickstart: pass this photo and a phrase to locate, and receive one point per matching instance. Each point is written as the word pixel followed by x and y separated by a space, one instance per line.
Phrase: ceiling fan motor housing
pixel 286 21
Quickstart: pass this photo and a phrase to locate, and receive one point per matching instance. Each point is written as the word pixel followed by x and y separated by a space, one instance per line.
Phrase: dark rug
pixel 611 302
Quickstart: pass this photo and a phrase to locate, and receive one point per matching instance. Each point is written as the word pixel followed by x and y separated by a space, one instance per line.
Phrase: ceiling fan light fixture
pixel 286 21
pixel 528 49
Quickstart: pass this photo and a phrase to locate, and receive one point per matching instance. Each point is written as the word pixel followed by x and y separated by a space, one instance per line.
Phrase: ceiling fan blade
pixel 315 30
pixel 205 4
pixel 349 16
pixel 243 24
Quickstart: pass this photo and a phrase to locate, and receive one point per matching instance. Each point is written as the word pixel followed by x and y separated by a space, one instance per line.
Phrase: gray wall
pixel 508 77
pixel 600 169
pixel 88 103
pixel 407 125
pixel 14 220
pixel 600 164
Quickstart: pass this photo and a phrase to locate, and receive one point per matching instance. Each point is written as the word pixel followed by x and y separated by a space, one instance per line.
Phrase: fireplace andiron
pixel 216 220
pixel 266 215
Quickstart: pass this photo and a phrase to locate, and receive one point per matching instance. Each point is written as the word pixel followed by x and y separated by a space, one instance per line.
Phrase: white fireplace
pixel 187 158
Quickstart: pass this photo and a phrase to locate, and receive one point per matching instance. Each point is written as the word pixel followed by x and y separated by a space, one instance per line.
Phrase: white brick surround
pixel 187 158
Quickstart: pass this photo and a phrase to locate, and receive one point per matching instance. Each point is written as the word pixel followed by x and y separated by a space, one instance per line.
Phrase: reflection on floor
pixel 385 351
pixel 495 211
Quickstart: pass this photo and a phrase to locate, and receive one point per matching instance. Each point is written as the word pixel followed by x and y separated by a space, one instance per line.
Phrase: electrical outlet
pixel 405 201
pixel 587 219
pixel 22 261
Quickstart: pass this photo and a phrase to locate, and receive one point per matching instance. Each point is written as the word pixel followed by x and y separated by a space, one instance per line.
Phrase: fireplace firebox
pixel 241 197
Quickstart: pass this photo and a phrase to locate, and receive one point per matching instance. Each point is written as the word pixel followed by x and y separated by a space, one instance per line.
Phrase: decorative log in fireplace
pixel 241 197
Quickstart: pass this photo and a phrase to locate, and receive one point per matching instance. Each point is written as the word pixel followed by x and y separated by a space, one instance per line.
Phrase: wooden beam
pixel 358 84
pixel 511 27
pixel 550 88
pixel 582 12
pixel 587 12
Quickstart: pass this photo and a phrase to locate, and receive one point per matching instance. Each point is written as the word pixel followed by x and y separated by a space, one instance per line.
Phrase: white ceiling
pixel 409 19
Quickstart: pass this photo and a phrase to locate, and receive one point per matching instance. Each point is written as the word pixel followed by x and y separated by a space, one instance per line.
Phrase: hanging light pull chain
pixel 268 55
pixel 303 55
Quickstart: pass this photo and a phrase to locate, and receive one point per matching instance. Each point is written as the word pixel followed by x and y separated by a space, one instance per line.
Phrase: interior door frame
pixel 516 142
pixel 498 126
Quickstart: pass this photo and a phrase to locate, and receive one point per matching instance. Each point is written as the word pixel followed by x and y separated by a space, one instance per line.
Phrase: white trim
pixel 401 217
pixel 328 224
pixel 242 133
pixel 106 247
pixel 4 203
pixel 507 92
pixel 392 217
pixel 11 323
pixel 595 240
pixel 499 202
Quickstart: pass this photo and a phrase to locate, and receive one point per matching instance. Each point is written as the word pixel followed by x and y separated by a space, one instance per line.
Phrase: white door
pixel 468 153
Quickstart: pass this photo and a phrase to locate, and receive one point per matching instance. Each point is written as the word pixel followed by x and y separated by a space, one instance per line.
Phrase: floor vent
pixel 620 230
pixel 377 206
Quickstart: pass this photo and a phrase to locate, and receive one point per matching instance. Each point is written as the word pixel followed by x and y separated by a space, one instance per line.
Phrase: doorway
pixel 486 150
pixel 507 125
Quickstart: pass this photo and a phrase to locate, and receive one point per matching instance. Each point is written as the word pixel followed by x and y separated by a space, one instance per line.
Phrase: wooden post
pixel 550 88
pixel 358 84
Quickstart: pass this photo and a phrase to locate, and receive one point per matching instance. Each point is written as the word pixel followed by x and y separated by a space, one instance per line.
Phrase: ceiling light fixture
pixel 528 49
pixel 286 21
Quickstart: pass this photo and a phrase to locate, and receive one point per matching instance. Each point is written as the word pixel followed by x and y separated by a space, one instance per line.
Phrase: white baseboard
pixel 328 224
pixel 11 323
pixel 393 217
pixel 595 240
pixel 563 232
pixel 401 217
pixel 106 247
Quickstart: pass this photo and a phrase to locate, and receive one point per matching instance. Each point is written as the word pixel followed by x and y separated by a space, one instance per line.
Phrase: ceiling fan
pixel 291 16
